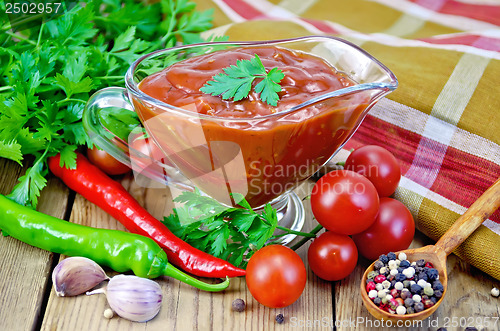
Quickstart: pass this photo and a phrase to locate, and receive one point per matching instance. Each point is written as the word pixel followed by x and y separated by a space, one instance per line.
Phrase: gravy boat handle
pixel 162 173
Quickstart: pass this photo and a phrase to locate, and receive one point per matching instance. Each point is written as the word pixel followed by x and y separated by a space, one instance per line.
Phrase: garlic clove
pixel 134 298
pixel 76 275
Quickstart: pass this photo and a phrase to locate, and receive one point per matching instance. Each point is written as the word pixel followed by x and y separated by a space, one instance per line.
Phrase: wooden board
pixel 29 303
pixel 25 270
pixel 184 307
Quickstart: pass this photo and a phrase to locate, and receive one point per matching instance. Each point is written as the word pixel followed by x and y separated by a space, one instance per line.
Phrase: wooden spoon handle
pixel 463 227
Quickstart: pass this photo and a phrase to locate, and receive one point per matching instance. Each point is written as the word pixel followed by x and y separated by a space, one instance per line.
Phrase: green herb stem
pixel 171 24
pixel 40 35
pixel 29 41
pixel 5 88
pixel 313 232
pixel 109 77
pixel 298 233
pixel 61 102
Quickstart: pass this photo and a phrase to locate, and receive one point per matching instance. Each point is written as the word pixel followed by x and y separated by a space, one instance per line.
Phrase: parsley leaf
pixel 236 81
pixel 230 233
pixel 11 151
pixel 34 179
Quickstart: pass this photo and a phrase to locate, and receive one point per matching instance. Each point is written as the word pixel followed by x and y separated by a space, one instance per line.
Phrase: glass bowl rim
pixel 133 88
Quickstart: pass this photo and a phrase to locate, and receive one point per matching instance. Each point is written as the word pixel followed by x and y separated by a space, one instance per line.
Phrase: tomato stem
pixel 311 234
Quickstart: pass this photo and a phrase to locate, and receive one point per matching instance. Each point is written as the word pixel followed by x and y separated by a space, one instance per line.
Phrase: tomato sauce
pixel 248 146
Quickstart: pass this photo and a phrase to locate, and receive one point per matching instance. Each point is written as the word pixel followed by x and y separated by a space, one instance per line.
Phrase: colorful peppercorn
pixel 280 318
pixel 428 291
pixel 378 264
pixel 416 289
pixel 379 278
pixel 383 258
pixel 419 306
pixel 372 274
pixel 437 286
pixel 409 272
pixel 422 276
pixel 404 264
pixel 238 305
pixel 432 274
pixel 399 286
pixel 405 293
pixel 400 301
pixel 428 303
pixel 393 304
pixel 401 310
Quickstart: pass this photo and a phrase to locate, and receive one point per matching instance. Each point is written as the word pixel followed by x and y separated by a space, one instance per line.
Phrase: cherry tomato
pixel 147 147
pixel 106 162
pixel 392 231
pixel 344 202
pixel 276 276
pixel 332 256
pixel 145 155
pixel 378 165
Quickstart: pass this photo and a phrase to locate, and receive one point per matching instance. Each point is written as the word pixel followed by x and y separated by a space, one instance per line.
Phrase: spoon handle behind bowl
pixel 478 212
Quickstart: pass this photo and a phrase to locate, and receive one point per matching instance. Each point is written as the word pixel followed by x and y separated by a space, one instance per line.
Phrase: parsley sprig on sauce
pixel 236 81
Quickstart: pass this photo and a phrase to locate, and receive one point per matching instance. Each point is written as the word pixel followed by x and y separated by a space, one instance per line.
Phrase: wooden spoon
pixel 436 254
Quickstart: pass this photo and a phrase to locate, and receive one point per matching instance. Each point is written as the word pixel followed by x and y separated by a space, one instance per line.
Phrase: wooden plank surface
pixel 25 270
pixel 184 307
pixel 27 304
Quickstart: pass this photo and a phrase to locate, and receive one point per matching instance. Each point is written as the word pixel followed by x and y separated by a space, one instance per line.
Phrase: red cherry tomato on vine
pixel 106 162
pixel 392 231
pixel 276 276
pixel 378 165
pixel 332 256
pixel 344 202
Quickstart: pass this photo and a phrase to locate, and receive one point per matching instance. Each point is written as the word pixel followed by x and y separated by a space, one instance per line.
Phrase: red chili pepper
pixel 94 185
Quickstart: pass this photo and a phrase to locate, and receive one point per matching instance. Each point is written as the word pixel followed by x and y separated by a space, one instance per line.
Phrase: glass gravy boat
pixel 263 158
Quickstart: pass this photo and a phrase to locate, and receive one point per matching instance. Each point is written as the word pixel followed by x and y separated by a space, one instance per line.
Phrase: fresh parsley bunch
pixel 48 72
pixel 233 234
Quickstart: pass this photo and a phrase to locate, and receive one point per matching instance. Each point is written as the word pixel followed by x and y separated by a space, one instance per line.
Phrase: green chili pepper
pixel 119 250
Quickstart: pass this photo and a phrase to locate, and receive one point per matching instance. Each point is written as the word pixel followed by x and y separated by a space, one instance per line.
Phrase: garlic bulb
pixel 134 298
pixel 76 275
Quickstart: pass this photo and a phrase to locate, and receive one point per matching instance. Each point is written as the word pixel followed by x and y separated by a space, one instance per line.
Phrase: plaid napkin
pixel 443 121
